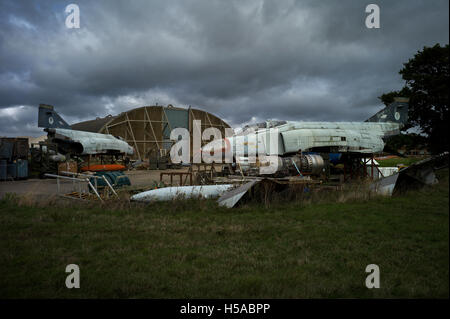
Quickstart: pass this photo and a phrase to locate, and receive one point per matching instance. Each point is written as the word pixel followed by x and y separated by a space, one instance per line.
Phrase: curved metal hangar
pixel 148 128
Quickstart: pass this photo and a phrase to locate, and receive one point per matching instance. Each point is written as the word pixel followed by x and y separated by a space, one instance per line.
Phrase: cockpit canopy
pixel 251 128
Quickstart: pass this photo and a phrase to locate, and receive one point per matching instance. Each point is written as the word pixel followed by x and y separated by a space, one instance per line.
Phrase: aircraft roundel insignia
pixel 397 116
pixel 50 120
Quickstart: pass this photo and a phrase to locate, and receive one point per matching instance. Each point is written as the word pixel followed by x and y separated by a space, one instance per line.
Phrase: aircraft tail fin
pixel 48 118
pixel 396 112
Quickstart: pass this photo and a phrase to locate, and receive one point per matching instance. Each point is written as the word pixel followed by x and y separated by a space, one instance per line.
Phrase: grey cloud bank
pixel 241 60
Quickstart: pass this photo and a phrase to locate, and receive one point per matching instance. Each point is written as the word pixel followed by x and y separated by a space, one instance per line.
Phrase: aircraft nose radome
pixel 130 150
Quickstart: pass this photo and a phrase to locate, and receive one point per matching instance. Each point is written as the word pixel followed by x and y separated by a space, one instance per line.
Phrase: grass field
pixel 194 249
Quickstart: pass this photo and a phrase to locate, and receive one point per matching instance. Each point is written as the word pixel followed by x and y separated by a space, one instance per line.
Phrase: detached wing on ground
pixel 412 177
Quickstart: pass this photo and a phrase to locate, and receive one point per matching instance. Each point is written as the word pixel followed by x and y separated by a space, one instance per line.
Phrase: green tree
pixel 426 76
pixel 408 141
pixel 388 98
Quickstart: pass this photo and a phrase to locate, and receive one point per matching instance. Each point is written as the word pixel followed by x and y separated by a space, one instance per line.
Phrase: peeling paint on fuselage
pixel 96 143
pixel 360 137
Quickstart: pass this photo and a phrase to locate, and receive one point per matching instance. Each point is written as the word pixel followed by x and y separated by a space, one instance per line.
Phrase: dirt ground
pixel 138 178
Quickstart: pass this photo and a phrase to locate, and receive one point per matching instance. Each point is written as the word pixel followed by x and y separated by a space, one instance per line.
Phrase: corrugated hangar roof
pixel 92 125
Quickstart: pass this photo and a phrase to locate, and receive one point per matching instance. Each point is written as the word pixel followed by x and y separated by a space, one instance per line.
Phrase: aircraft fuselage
pixel 85 143
pixel 360 137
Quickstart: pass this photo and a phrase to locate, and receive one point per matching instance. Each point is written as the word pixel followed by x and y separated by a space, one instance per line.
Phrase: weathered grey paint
pixel 290 137
pixel 170 193
pixel 96 143
pixel 358 137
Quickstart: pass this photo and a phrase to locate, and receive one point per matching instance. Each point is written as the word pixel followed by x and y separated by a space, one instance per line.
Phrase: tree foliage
pixel 426 76
pixel 407 141
pixel 388 98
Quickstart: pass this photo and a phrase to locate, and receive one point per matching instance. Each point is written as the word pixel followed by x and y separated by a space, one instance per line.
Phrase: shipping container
pixel 22 168
pixel 3 169
pixel 13 148
pixel 6 149
pixel 11 170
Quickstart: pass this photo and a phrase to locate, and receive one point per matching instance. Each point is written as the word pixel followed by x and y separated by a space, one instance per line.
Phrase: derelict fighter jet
pixel 314 139
pixel 79 142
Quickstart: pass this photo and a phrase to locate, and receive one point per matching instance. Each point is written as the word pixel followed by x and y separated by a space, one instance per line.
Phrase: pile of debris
pixel 230 194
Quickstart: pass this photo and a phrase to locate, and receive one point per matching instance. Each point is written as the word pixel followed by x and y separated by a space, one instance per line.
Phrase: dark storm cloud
pixel 241 60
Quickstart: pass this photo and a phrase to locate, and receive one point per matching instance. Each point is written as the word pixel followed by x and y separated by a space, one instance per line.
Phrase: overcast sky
pixel 244 61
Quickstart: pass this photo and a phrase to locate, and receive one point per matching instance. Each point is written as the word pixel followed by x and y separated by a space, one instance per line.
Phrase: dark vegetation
pixel 426 78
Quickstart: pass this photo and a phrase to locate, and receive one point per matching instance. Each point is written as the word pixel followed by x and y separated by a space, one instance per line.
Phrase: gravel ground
pixel 140 178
